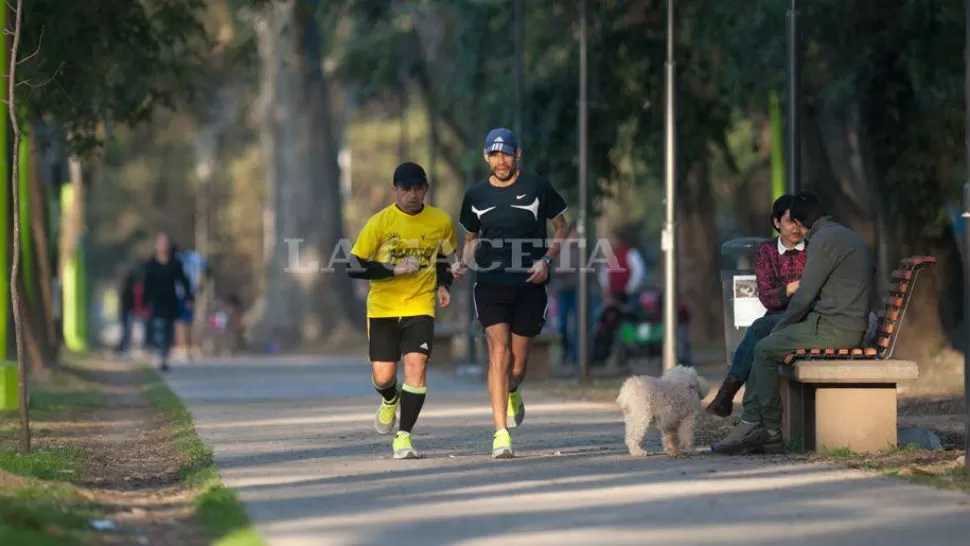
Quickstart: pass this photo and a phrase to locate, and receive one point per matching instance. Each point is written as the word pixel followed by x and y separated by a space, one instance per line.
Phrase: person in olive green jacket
pixel 830 309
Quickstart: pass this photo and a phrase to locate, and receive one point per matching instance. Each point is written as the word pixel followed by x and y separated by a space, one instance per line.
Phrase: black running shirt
pixel 511 225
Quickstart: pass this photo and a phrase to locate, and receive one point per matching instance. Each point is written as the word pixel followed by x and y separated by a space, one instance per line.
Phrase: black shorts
pixel 395 336
pixel 522 307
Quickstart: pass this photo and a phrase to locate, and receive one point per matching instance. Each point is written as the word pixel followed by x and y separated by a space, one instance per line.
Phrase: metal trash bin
pixel 739 290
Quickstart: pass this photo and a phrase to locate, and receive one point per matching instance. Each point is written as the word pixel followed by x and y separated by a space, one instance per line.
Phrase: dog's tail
pixel 623 399
pixel 621 396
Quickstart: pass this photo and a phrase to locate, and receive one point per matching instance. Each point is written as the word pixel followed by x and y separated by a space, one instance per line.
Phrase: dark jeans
pixel 164 330
pixel 568 301
pixel 744 354
pixel 149 341
pixel 762 394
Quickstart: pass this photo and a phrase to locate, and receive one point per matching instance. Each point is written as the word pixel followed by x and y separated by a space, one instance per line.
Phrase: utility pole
pixel 583 304
pixel 966 238
pixel 668 242
pixel 519 67
pixel 792 82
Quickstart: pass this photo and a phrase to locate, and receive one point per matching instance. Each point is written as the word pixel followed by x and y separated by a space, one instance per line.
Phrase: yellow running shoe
pixel 502 445
pixel 402 446
pixel 516 408
pixel 386 416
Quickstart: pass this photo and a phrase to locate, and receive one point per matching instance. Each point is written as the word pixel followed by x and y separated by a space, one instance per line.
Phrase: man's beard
pixel 512 172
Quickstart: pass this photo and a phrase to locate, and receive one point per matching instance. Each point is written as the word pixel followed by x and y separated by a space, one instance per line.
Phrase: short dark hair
pixel 807 209
pixel 778 209
pixel 408 174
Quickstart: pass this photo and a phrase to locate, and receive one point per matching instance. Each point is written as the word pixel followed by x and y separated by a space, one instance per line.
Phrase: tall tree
pixel 303 303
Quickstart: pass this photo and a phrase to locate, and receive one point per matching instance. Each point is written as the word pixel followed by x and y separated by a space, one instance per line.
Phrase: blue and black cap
pixel 409 174
pixel 501 140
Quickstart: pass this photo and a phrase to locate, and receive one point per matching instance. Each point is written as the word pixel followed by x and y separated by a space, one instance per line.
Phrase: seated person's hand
pixel 791 288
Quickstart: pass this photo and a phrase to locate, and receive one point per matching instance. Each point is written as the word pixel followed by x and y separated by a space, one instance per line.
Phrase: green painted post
pixel 777 149
pixel 26 236
pixel 83 294
pixel 9 388
pixel 72 298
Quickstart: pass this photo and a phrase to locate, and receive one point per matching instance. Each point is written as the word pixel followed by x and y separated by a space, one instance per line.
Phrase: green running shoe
pixel 516 408
pixel 386 416
pixel 402 446
pixel 502 445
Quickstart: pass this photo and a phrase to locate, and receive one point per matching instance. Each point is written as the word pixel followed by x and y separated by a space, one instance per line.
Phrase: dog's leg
pixel 686 433
pixel 670 442
pixel 636 429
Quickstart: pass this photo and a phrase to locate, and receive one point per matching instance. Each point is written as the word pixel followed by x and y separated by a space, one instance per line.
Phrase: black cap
pixel 409 174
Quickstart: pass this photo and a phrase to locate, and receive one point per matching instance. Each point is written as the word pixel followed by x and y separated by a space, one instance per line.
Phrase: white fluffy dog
pixel 669 403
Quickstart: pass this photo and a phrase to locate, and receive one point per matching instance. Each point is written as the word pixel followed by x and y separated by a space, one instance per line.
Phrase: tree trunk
pixel 15 279
pixel 45 279
pixel 208 151
pixel 281 316
pixel 34 350
pixel 698 252
pixel 303 303
pixel 402 146
pixel 752 201
pixel 336 310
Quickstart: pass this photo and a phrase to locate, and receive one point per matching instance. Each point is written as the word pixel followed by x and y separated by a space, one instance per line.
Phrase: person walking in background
pixel 565 284
pixel 621 282
pixel 163 274
pixel 126 308
pixel 196 270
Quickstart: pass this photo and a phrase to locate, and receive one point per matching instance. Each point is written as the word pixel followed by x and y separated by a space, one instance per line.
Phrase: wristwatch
pixel 548 260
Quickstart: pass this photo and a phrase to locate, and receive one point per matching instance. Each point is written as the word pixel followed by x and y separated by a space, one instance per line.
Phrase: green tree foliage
pixel 883 115
pixel 473 77
pixel 88 63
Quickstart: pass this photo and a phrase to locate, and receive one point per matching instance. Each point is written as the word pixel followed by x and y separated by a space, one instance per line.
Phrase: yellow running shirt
pixel 389 237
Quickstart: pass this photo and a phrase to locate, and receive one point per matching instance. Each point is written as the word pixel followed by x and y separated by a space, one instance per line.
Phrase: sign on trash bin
pixel 739 290
pixel 747 306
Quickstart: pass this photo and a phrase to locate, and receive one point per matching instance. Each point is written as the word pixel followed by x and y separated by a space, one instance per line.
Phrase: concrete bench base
pixel 835 404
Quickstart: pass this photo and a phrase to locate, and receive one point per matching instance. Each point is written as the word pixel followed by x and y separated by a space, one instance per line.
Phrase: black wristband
pixel 443 276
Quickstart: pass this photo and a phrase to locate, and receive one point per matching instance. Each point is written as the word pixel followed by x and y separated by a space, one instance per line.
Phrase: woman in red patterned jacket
pixel 778 268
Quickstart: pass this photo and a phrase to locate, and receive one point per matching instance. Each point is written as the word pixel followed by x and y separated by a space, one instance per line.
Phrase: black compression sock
pixel 412 398
pixel 388 393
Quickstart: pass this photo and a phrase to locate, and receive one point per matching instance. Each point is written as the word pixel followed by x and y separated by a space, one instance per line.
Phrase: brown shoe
pixel 723 403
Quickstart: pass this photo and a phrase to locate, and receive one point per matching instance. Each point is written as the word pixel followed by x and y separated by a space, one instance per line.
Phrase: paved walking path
pixel 294 437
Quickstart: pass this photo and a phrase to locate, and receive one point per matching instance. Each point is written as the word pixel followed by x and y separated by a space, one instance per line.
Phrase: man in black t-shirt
pixel 504 217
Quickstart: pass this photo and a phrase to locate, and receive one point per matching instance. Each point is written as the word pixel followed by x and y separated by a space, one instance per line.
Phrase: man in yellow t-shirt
pixel 403 251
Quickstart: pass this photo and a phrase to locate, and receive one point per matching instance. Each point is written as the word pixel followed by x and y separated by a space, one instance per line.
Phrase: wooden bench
pixel 846 398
